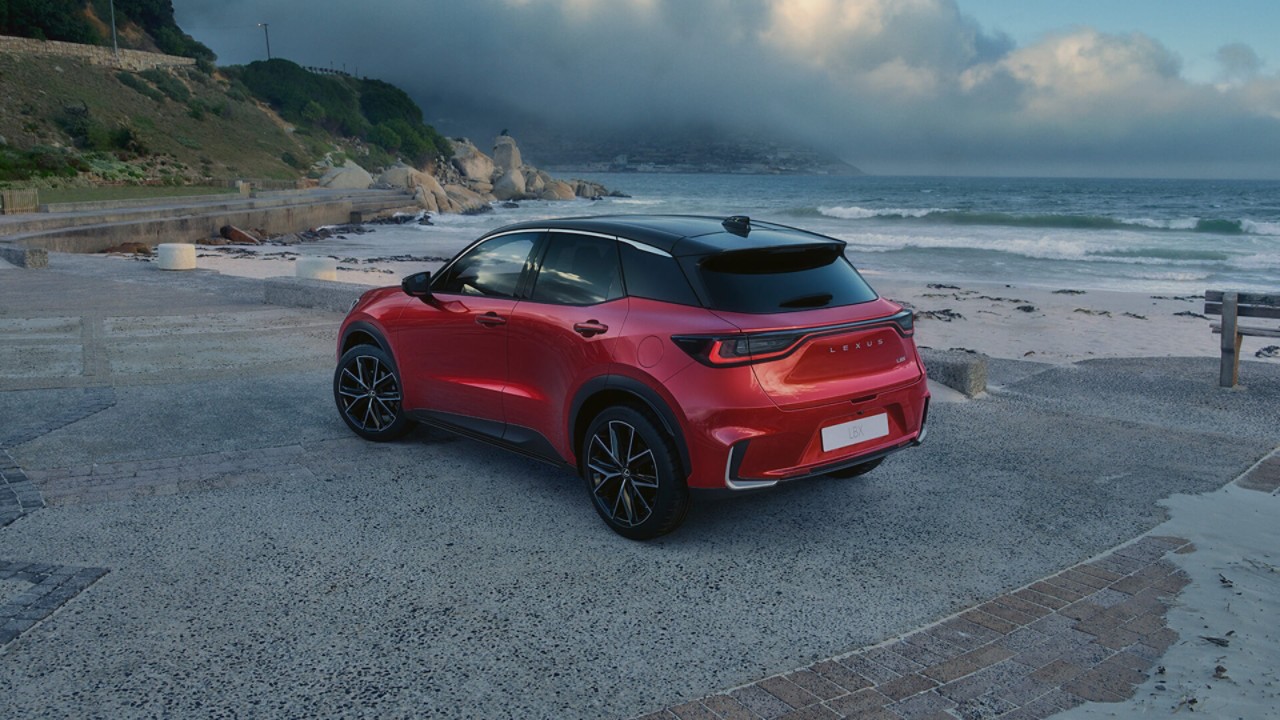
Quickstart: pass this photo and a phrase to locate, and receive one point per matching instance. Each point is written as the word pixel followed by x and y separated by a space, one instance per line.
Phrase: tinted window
pixel 491 268
pixel 654 276
pixel 578 270
pixel 782 279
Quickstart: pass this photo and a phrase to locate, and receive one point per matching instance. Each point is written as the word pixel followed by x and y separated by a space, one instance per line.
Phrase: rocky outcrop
pixel 348 177
pixel 471 181
pixel 510 186
pixel 470 162
pixel 506 154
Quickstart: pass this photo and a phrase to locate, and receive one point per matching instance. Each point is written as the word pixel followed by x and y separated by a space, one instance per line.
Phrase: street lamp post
pixel 115 46
pixel 266 33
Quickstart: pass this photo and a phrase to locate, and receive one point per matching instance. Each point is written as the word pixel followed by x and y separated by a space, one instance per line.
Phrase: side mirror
pixel 418 285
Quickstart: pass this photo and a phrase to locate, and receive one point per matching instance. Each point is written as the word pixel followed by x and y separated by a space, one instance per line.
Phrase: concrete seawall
pixel 92 232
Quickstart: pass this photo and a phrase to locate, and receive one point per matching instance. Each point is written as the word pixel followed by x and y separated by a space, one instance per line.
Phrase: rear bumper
pixel 760 446
pixel 733 469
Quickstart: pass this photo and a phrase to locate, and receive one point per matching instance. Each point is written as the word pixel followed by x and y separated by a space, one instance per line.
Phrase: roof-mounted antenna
pixel 737 224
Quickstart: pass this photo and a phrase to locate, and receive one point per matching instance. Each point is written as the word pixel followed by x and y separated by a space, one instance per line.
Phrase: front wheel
pixel 366 387
pixel 632 473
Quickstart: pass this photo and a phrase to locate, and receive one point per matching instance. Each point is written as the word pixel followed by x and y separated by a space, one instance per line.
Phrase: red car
pixel 653 354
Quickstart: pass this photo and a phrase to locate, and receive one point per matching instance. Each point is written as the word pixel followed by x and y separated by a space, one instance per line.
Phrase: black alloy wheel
pixel 366 387
pixel 631 470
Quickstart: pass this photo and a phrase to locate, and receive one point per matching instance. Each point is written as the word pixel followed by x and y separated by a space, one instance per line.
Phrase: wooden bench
pixel 1232 306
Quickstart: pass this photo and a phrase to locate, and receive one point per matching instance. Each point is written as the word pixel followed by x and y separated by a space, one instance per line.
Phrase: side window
pixel 656 277
pixel 578 270
pixel 491 268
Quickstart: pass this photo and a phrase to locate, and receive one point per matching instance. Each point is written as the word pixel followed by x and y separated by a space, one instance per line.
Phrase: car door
pixel 453 351
pixel 561 334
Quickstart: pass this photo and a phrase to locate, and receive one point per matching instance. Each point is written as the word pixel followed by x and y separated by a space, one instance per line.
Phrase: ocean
pixel 1158 236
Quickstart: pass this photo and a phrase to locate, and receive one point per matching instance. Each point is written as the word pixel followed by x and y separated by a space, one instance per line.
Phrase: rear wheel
pixel 631 471
pixel 855 470
pixel 366 387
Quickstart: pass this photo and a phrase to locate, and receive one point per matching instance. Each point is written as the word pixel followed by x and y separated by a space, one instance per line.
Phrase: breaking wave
pixel 942 216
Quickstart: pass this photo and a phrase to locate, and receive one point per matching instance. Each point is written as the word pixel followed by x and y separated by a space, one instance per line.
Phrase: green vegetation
pixel 72 21
pixel 378 112
pixel 67 122
pixel 92 111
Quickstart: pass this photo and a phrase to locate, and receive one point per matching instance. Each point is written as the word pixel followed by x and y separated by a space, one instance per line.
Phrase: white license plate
pixel 854 432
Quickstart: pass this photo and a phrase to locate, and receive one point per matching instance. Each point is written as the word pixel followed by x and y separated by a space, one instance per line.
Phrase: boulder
pixel 535 181
pixel 510 186
pixel 403 177
pixel 464 199
pixel 557 190
pixel 425 200
pixel 470 162
pixel 588 189
pixel 239 237
pixel 506 154
pixel 348 177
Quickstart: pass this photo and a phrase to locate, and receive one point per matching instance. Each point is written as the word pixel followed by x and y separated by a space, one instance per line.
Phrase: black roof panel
pixel 682 234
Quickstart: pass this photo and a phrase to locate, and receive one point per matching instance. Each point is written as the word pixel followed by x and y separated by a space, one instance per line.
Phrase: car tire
pixel 367 389
pixel 854 471
pixel 632 474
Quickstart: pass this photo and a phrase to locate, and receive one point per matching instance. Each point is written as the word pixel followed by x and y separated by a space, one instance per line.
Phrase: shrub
pixel 167 84
pixel 133 81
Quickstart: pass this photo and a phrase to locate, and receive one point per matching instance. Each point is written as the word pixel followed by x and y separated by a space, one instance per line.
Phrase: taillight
pixel 906 322
pixel 741 349
pixel 746 348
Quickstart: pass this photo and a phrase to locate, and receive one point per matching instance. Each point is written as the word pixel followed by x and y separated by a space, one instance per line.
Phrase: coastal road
pixel 230 548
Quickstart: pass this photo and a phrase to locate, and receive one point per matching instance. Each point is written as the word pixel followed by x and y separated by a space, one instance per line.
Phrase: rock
pixel 589 190
pixel 470 162
pixel 136 248
pixel 348 177
pixel 425 200
pixel 510 205
pixel 535 181
pixel 1270 351
pixel 510 186
pixel 237 236
pixel 289 239
pixel 1027 308
pixel 484 188
pixel 557 190
pixel 3 141
pixel 403 177
pixel 506 154
pixel 465 200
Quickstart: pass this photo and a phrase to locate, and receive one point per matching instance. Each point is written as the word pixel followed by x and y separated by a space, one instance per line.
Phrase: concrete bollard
pixel 317 268
pixel 176 256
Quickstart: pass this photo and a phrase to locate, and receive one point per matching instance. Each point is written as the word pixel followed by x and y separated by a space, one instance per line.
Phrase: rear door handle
pixel 590 327
pixel 491 319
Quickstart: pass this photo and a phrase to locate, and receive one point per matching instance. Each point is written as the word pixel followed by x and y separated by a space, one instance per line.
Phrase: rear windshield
pixel 786 279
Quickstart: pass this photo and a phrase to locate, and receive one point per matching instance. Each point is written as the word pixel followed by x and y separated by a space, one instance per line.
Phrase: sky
pixel 1099 88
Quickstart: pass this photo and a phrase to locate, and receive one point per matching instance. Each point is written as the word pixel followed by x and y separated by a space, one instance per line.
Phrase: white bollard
pixel 176 256
pixel 317 268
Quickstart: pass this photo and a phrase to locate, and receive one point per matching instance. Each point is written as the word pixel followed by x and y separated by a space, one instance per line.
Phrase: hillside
pixel 63 119
pixel 140 24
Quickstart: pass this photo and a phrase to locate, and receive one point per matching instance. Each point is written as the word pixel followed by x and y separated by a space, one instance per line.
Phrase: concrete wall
pixel 195 228
pixel 135 60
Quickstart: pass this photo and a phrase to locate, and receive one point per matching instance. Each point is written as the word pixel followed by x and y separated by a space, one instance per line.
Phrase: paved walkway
pixel 188 526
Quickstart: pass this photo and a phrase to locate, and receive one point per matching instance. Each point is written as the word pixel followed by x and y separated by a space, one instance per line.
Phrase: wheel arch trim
pixel 641 392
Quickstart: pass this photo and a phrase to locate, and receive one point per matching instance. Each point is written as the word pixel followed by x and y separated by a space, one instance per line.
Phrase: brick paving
pixel 1090 633
pixel 31 592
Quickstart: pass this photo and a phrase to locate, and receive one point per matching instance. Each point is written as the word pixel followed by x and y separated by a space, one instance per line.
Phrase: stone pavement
pixel 178 436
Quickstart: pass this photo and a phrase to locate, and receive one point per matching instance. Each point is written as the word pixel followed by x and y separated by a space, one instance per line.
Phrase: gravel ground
pixel 278 566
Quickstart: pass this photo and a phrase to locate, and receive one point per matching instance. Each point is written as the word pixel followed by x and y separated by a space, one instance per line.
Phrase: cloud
pixel 892 85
